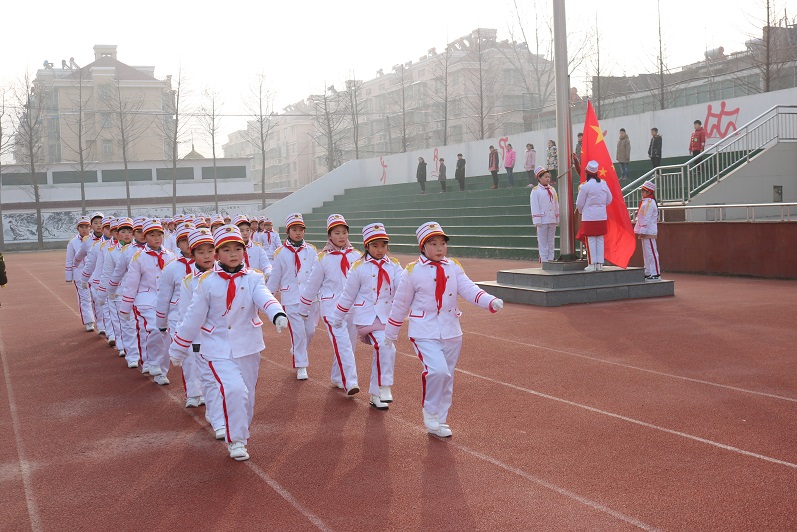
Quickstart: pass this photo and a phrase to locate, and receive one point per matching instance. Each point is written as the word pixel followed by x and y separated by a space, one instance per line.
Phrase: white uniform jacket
pixel 85 247
pixel 222 333
pixel 593 197
pixel 119 272
pixel 169 290
pixel 544 205
pixel 326 280
pixel 284 279
pixel 112 257
pixel 256 257
pixel 141 281
pixel 360 296
pixel 187 287
pixel 271 241
pixel 647 218
pixel 71 265
pixel 92 266
pixel 416 296
pixel 170 243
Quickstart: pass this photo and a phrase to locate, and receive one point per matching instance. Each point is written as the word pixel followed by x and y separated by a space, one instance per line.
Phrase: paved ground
pixel 676 413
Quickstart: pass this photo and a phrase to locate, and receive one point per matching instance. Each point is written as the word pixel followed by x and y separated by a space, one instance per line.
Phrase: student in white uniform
pixel 326 282
pixel 368 295
pixel 92 271
pixel 545 214
pixel 124 232
pixel 292 264
pixel 647 228
pixel 428 293
pixel 269 237
pixel 71 267
pixel 82 255
pixel 223 317
pixel 254 255
pixel 139 297
pixel 593 198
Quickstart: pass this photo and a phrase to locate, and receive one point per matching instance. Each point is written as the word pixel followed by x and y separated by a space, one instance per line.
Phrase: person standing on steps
pixel 509 164
pixel 530 164
pixel 552 162
pixel 459 173
pixel 420 174
pixel 654 150
pixel 441 175
pixel 493 166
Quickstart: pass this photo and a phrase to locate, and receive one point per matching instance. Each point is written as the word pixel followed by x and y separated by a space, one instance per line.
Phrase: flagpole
pixel 564 134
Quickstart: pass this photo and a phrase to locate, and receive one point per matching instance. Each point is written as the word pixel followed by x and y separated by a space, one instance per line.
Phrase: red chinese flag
pixel 620 241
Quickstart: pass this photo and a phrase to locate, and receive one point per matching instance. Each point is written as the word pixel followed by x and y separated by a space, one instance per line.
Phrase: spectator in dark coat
pixel 654 150
pixel 459 172
pixel 441 175
pixel 420 175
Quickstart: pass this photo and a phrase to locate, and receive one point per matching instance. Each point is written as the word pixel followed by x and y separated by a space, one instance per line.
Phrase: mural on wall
pixel 383 164
pixel 715 129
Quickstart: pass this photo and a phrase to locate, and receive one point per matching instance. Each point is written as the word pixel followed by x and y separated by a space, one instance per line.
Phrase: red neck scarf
pixel 440 286
pixel 296 260
pixel 550 194
pixel 230 278
pixel 383 275
pixel 188 263
pixel 246 256
pixel 269 237
pixel 344 262
pixel 158 255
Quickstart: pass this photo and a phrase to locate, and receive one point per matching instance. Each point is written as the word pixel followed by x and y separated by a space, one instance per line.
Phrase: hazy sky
pixel 300 46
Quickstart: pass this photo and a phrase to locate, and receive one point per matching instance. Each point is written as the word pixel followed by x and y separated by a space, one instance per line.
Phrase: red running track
pixel 676 413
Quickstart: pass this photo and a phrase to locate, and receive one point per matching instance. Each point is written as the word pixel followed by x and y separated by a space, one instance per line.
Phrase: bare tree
pixel 6 144
pixel 330 112
pixel 354 108
pixel 210 122
pixel 129 128
pixel 398 103
pixel 774 52
pixel 76 121
pixel 481 83
pixel 662 85
pixel 260 105
pixel 441 96
pixel 175 125
pixel 28 136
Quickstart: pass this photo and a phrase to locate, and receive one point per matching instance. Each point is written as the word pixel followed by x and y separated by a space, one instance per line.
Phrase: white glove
pixel 389 343
pixel 496 304
pixel 177 355
pixel 281 323
pixel 176 361
pixel 84 285
pixel 337 323
pixel 126 316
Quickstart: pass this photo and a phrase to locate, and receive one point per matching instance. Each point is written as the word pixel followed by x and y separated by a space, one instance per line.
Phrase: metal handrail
pixel 720 214
pixel 681 182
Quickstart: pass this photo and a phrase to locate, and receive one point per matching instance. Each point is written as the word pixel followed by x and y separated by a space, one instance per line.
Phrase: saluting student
pixel 368 295
pixel 326 281
pixel 647 229
pixel 428 293
pixel 545 214
pixel 223 317
pixel 292 264
pixel 72 266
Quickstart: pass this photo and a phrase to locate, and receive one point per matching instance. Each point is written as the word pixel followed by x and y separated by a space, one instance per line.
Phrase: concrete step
pixel 556 280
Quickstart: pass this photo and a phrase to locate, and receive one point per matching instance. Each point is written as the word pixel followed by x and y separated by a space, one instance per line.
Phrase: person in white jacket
pixel 223 317
pixel 545 214
pixel 71 266
pixel 368 295
pixel 428 292
pixel 593 198
pixel 254 254
pixel 647 229
pixel 292 264
pixel 268 237
pixel 326 281
pixel 124 231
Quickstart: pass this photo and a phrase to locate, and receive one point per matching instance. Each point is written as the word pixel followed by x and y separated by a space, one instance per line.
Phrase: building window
pixel 105 92
pixel 106 119
pixel 107 148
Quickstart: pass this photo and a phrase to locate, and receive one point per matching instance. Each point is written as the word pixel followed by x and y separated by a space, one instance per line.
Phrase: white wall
pixel 675 127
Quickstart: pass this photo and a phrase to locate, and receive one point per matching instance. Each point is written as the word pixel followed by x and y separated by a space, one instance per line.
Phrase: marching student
pixel 368 294
pixel 593 198
pixel 254 254
pixel 90 276
pixel 326 281
pixel 116 280
pixel 95 235
pixel 647 228
pixel 216 221
pixel 167 311
pixel 269 238
pixel 545 214
pixel 428 293
pixel 124 228
pixel 200 243
pixel 139 297
pixel 292 264
pixel 223 317
pixel 71 266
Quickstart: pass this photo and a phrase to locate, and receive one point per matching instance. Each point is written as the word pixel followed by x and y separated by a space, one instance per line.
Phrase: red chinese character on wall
pixel 382 162
pixel 714 121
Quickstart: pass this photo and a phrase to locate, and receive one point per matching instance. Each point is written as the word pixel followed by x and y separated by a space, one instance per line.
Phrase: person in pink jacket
pixel 509 164
pixel 530 165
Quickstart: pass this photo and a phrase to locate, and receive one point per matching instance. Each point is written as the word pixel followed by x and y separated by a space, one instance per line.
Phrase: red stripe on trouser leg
pixel 79 305
pixel 182 376
pixel 653 255
pixel 337 352
pixel 290 330
pixel 425 372
pixel 223 401
pixel 376 358
pixel 138 336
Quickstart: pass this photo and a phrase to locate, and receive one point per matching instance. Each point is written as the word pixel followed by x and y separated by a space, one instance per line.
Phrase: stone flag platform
pixel 566 283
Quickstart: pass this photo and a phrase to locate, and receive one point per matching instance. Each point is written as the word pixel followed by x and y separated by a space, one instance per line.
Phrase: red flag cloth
pixel 619 242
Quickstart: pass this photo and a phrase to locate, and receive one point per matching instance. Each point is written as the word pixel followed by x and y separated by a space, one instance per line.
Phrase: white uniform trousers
pixel 115 321
pixel 84 303
pixel 151 342
pixel 129 334
pixel 107 319
pixel 99 314
pixel 343 338
pixel 439 358
pixel 595 251
pixel 384 360
pixel 236 380
pixel 546 235
pixel 192 381
pixel 650 254
pixel 214 410
pixel 302 331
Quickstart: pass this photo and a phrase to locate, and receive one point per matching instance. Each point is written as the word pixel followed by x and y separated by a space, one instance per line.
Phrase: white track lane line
pixel 273 484
pixel 24 465
pixel 414 427
pixel 621 417
pixel 637 368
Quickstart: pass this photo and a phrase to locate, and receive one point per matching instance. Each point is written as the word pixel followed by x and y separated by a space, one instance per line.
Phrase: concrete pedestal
pixel 565 283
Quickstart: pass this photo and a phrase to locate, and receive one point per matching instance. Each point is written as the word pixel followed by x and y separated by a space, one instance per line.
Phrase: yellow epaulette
pixel 125 247
pixel 411 266
pixel 357 263
pixel 312 246
pixel 204 276
pixel 135 256
pixel 85 238
pixel 455 261
pixel 395 261
pixel 258 271
pixel 535 188
pixel 277 251
pixel 256 243
pixel 321 255
pixel 187 280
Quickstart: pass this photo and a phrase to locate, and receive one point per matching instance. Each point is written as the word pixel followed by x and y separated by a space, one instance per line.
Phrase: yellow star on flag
pixel 602 172
pixel 599 138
